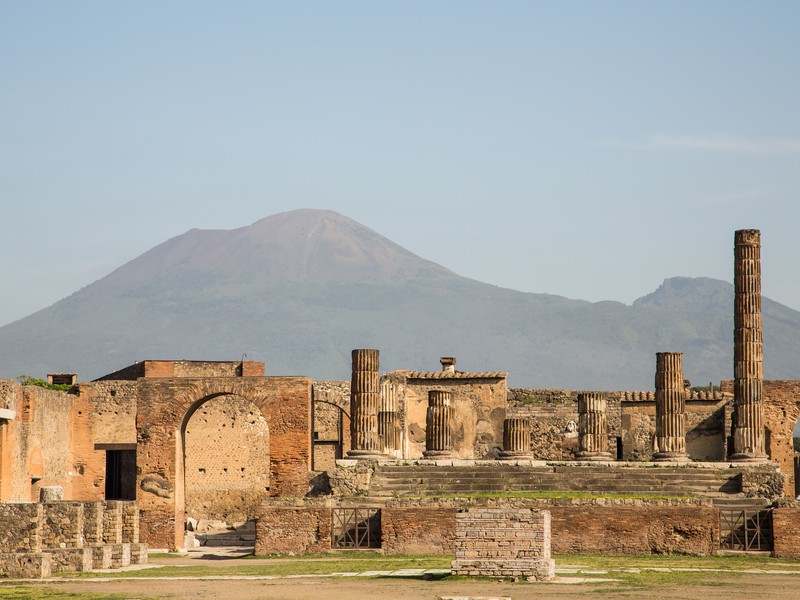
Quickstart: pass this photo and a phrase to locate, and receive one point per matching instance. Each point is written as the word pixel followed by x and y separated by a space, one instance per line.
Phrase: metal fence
pixel 746 530
pixel 356 528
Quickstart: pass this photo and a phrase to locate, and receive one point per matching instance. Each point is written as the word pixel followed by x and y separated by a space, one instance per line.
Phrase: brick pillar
pixel 365 396
pixel 748 372
pixel 592 435
pixel 389 420
pixel 670 408
pixel 439 426
pixel 516 438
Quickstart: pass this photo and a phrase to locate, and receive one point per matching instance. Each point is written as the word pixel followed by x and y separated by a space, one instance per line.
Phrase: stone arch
pixel 165 405
pixel 225 459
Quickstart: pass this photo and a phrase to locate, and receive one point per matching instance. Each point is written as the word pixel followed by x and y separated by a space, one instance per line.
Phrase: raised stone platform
pixel 503 542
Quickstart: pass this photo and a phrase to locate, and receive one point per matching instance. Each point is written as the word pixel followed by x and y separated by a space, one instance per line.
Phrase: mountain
pixel 300 289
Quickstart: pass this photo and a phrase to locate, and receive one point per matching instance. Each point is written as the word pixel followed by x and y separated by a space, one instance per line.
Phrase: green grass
pixel 282 566
pixel 41 593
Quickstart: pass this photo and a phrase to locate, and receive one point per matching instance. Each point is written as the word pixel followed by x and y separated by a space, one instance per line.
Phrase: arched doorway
pixel 226 469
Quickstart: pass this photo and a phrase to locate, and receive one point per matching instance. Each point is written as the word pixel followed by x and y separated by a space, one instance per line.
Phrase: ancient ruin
pixel 192 453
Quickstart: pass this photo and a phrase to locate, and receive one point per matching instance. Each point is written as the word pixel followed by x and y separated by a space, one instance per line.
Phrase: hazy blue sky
pixel 587 149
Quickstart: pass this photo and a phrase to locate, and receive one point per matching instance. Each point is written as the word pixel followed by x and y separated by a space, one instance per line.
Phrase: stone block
pixel 25 565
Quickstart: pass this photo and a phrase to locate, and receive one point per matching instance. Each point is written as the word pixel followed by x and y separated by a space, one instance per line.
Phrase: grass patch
pixel 319 565
pixel 41 593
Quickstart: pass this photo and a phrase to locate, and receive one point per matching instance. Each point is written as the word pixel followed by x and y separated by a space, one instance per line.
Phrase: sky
pixel 585 149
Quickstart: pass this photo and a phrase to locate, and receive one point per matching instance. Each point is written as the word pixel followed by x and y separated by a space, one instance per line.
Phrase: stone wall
pixel 331 423
pixel 37 539
pixel 427 525
pixel 227 460
pixel 163 406
pixel 187 368
pixel 503 542
pixel 786 532
pixel 479 408
pixel 417 530
pixel 553 416
pixel 36 445
pixel 781 412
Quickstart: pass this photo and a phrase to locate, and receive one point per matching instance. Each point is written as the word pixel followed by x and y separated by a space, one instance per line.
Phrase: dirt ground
pixel 750 586
pixel 711 585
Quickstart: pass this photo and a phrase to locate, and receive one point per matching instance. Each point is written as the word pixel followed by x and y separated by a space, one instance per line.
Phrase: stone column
pixel 389 420
pixel 592 435
pixel 365 395
pixel 748 373
pixel 670 408
pixel 516 439
pixel 439 426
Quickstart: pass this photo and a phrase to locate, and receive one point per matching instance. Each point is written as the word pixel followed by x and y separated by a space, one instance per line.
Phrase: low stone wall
pixel 37 539
pixel 427 525
pixel 786 532
pixel 417 530
pixel 503 542
pixel 635 530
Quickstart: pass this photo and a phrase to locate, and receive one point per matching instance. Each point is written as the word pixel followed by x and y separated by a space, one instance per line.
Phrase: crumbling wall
pixel 781 412
pixel 227 460
pixel 479 408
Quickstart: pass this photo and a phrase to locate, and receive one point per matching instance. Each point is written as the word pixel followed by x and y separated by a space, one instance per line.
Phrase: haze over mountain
pixel 300 289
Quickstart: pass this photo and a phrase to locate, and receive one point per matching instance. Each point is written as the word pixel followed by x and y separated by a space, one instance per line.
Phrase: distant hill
pixel 300 289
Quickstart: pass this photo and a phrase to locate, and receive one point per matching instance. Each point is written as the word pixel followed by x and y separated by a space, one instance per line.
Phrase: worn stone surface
pixel 786 532
pixel 503 542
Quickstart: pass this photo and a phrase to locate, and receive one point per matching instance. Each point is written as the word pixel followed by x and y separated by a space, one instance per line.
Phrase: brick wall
pixel 227 460
pixel 162 407
pixel 187 368
pixel 503 542
pixel 786 532
pixel 781 412
pixel 298 530
pixel 418 530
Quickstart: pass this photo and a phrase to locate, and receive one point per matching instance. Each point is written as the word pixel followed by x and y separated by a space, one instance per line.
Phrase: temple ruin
pixel 187 453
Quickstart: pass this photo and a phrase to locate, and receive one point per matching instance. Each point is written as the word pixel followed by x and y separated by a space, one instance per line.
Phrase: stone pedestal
pixel 516 439
pixel 364 404
pixel 592 429
pixel 439 426
pixel 748 373
pixel 670 408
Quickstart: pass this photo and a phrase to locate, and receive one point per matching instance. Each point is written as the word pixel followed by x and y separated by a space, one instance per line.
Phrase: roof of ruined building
pixel 453 375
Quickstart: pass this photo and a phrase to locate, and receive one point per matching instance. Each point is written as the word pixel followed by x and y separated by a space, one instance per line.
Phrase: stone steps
pixel 438 479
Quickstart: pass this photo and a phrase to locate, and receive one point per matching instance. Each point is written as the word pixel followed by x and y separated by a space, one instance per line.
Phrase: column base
pixel 673 457
pixel 749 457
pixel 514 456
pixel 365 455
pixel 438 454
pixel 606 456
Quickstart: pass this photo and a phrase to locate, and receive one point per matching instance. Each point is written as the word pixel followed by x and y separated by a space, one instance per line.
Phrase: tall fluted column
pixel 748 373
pixel 389 420
pixel 592 435
pixel 670 408
pixel 439 426
pixel 365 395
pixel 516 438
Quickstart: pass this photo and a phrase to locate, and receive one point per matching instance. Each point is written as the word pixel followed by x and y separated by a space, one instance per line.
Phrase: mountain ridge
pixel 299 290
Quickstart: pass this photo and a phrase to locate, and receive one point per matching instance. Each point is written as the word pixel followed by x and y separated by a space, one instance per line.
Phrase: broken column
pixel 670 441
pixel 516 438
pixel 365 396
pixel 592 436
pixel 748 373
pixel 439 426
pixel 448 364
pixel 389 420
